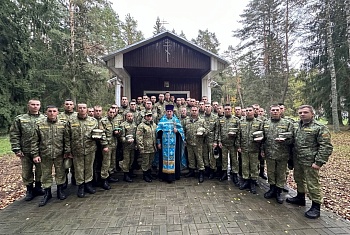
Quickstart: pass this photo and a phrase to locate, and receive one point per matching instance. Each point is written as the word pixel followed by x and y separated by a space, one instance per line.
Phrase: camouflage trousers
pixel 106 163
pixel 207 152
pixel 307 179
pixel 28 174
pixel 195 155
pixel 229 151
pixel 147 159
pixel 83 167
pixel 250 164
pixel 276 172
pixel 128 159
pixel 46 167
pixel 113 163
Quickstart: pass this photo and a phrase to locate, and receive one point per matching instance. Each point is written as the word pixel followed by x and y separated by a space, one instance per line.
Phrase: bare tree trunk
pixel 334 94
pixel 72 42
pixel 347 7
pixel 286 51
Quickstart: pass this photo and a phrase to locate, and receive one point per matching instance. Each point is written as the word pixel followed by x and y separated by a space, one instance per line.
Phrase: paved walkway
pixel 184 207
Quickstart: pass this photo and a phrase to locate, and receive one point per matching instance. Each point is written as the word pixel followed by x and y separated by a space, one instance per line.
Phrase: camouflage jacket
pixel 48 142
pixel 141 116
pixel 312 143
pixel 22 130
pixel 224 124
pixel 146 137
pixel 210 121
pixel 108 126
pixel 128 128
pixel 245 139
pixel 65 116
pixel 78 137
pixel 190 128
pixel 272 148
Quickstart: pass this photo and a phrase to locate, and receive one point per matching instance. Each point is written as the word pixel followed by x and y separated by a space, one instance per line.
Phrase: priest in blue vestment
pixel 170 141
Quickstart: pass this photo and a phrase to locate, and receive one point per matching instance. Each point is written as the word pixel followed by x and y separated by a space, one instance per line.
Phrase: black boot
pixel 60 193
pixel 46 198
pixel 190 173
pixel 279 197
pixel 211 174
pixel 235 179
pixel 146 177
pixel 89 188
pixel 105 185
pixel 81 191
pixel 219 172
pixel 29 193
pixel 65 184
pixel 131 174
pixel 111 179
pixel 224 176
pixel 253 186
pixel 299 199
pixel 127 178
pixel 152 177
pixel 38 190
pixel 262 173
pixel 207 171
pixel 314 211
pixel 271 193
pixel 245 184
pixel 201 177
pixel 72 180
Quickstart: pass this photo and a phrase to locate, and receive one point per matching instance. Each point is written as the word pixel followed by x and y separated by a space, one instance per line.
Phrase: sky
pixel 220 17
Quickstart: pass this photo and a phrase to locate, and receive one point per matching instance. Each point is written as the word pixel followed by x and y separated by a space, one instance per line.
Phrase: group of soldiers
pixel 216 138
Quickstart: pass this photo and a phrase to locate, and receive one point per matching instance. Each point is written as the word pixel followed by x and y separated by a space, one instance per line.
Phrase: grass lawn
pixel 5 147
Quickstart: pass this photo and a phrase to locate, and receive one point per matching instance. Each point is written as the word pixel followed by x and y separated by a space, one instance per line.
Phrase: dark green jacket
pixel 312 143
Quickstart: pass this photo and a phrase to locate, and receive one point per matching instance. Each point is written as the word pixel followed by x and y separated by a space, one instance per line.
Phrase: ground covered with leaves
pixel 335 178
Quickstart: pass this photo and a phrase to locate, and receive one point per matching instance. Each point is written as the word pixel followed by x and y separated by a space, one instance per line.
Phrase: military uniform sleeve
pixel 35 140
pixel 325 147
pixel 15 136
pixel 139 137
pixel 67 138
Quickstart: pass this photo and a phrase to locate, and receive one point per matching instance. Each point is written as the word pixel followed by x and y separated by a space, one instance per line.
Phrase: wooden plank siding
pixel 149 69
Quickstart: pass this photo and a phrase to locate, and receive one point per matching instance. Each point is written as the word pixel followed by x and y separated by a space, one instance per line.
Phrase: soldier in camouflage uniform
pixel 79 143
pixel 128 128
pixel 201 108
pixel 48 150
pixel 276 152
pixel 147 144
pixel 142 114
pixel 108 125
pixel 124 107
pixel 160 107
pixel 66 116
pixel 312 146
pixel 21 132
pixel 226 140
pixel 209 140
pixel 249 149
pixel 195 143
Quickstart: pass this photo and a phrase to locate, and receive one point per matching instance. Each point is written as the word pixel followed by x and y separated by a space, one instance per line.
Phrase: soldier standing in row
pixel 250 148
pixel 79 143
pixel 226 137
pixel 108 125
pixel 127 137
pixel 48 151
pixel 312 146
pixel 146 144
pixel 209 140
pixel 194 143
pixel 21 132
pixel 66 116
pixel 276 148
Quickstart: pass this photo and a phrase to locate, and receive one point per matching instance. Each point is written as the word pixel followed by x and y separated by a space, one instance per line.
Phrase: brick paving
pixel 181 208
